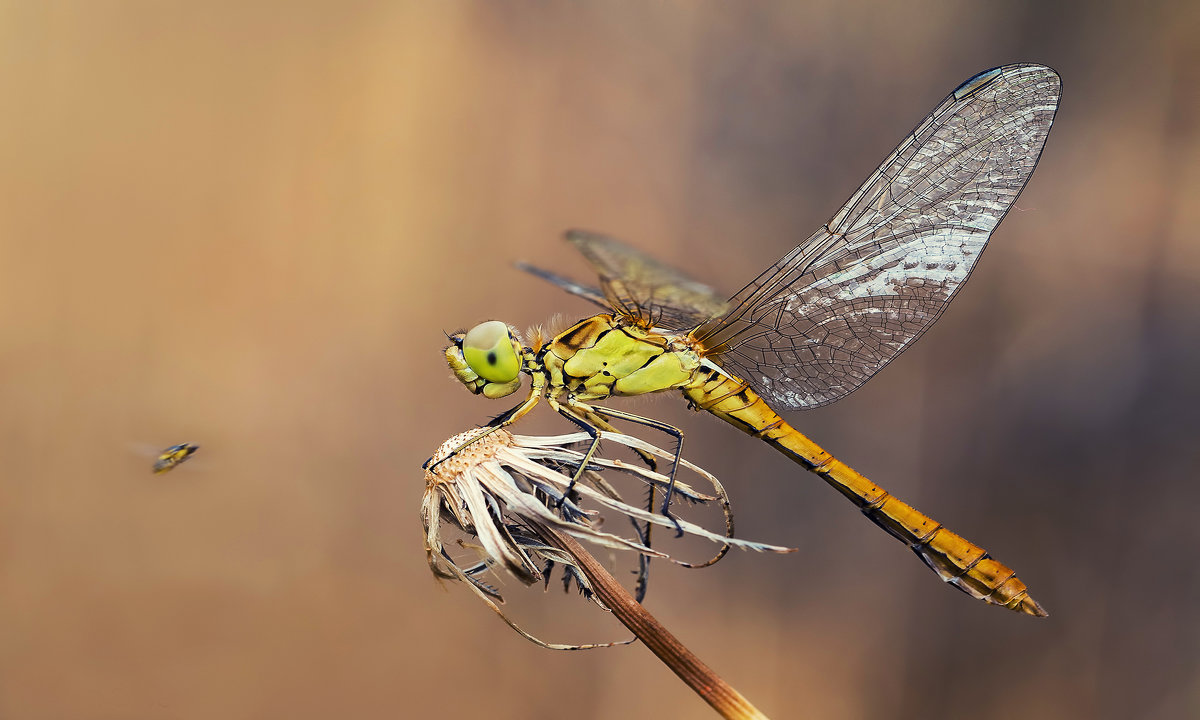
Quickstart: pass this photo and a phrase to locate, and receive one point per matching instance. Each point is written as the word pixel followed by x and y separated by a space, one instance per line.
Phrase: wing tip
pixel 1011 72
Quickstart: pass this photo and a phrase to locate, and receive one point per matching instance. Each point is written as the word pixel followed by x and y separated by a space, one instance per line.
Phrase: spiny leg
pixel 579 414
pixel 591 419
pixel 508 417
pixel 588 418
pixel 643 529
pixel 663 427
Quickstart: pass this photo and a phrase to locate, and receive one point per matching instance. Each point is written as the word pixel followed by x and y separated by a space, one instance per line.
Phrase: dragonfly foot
pixel 568 499
pixel 666 511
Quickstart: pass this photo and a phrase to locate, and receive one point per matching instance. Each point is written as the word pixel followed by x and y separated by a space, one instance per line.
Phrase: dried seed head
pixel 463 451
pixel 496 486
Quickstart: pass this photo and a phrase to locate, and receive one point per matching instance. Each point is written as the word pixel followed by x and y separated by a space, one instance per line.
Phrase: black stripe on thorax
pixel 571 335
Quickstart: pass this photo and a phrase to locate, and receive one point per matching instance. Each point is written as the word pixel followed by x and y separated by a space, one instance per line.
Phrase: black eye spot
pixel 491 358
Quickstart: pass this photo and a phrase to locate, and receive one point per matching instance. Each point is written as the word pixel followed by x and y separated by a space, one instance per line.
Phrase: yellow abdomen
pixel 954 558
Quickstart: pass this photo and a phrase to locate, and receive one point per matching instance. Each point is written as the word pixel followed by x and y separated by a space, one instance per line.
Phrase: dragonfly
pixel 173 456
pixel 811 328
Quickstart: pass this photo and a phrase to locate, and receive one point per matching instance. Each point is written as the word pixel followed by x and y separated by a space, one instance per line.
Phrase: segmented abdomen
pixel 954 558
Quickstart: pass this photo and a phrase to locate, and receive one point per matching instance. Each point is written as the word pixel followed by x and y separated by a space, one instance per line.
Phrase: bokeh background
pixel 248 226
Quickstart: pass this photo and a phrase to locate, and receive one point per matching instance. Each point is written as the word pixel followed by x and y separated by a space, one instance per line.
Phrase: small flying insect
pixel 172 456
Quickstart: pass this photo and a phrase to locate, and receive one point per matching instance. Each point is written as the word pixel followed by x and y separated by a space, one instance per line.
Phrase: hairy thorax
pixel 604 356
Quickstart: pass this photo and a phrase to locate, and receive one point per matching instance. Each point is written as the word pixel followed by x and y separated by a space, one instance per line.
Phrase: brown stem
pixel 707 684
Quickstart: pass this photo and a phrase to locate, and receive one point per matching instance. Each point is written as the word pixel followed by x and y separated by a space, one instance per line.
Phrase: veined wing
pixel 820 322
pixel 637 286
pixel 587 292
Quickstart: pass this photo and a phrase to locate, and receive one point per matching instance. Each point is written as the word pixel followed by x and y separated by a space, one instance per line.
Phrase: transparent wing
pixel 638 286
pixel 820 322
pixel 587 292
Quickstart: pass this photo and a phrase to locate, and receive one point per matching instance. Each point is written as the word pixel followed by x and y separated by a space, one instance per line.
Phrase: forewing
pixel 642 288
pixel 834 311
pixel 587 292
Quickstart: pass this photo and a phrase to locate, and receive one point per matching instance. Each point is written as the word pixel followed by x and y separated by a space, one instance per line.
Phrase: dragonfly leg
pixel 508 417
pixel 663 427
pixel 581 411
pixel 579 414
pixel 590 419
pixel 594 416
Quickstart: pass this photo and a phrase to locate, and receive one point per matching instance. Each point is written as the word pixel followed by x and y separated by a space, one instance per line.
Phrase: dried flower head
pixel 500 487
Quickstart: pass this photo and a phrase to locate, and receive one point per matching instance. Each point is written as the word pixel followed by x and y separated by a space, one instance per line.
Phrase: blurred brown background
pixel 248 227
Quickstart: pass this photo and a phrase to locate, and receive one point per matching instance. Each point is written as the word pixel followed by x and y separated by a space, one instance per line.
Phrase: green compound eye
pixel 488 350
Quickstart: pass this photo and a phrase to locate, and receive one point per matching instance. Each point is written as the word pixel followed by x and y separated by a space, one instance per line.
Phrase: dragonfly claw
pixel 666 511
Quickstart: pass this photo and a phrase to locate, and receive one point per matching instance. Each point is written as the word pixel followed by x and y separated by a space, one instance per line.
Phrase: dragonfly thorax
pixel 605 355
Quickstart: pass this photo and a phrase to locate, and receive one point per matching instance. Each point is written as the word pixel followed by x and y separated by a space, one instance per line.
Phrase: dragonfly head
pixel 487 359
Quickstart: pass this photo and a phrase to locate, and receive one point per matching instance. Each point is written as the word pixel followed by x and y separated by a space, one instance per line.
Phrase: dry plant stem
pixel 707 684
